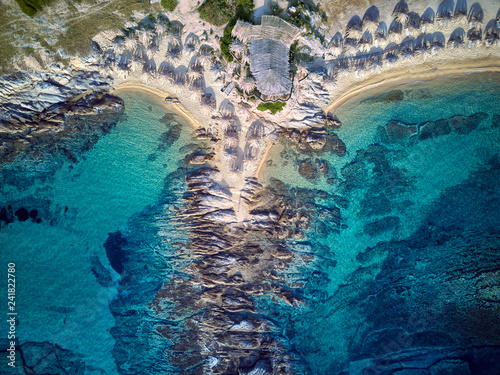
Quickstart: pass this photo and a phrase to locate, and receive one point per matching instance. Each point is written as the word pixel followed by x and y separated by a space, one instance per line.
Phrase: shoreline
pixel 427 72
pixel 176 108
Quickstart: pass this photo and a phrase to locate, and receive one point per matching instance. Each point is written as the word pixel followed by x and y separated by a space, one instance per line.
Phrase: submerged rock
pixel 308 169
pixel 398 131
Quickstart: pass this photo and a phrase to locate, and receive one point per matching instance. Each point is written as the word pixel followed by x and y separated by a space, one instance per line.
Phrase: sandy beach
pixel 411 73
pixel 177 108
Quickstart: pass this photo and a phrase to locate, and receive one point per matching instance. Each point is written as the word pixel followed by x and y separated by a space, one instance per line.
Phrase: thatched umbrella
pixel 365 42
pixel 144 36
pixel 109 58
pixel 380 41
pixel 391 58
pixel 475 37
pixel 166 70
pixel 400 12
pixel 237 48
pixel 194 73
pixel 173 54
pixel 353 33
pixel 218 71
pixel 205 55
pixel 335 45
pixel 370 26
pixel 427 19
pixel 118 44
pixel 248 84
pixel 491 34
pixel 208 101
pixel 457 38
pixel 395 31
pixel 371 20
pixel 475 17
pixel 350 49
pixel 130 42
pixel 242 31
pixel 191 42
pixel 173 40
pixel 160 30
pixel 176 28
pixel 179 80
pixel 198 84
pixel 413 24
pixel 460 14
pixel 136 66
pixel 331 69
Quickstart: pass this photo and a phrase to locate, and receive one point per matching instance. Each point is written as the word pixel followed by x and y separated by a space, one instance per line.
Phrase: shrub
pixel 169 4
pixel 30 7
pixel 220 12
pixel 273 107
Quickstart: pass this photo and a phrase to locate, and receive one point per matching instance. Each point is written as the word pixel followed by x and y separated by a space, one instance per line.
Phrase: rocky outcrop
pixel 60 115
pixel 47 358
pixel 316 140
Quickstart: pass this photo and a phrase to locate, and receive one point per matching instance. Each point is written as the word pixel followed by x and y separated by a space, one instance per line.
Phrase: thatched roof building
pixel 269 45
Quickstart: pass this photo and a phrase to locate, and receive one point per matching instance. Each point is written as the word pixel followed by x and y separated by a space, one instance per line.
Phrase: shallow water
pixel 58 297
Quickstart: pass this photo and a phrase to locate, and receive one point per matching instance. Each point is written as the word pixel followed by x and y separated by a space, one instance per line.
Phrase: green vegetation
pixel 273 107
pixel 219 12
pixel 30 7
pixel 169 4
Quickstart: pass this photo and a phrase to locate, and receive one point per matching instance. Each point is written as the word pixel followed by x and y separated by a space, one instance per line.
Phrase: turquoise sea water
pixel 58 298
pixel 389 191
pixel 386 192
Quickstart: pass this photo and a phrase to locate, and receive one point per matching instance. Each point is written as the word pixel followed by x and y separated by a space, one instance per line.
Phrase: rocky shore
pixel 47 118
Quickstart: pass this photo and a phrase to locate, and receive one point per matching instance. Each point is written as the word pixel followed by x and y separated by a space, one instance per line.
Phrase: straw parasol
pixel 237 48
pixel 395 31
pixel 400 12
pixel 353 33
pixel 391 59
pixel 144 36
pixel 350 49
pixel 160 30
pixel 136 66
pixel 118 44
pixel 194 72
pixel 413 24
pixel 218 71
pixel 248 84
pixel 173 54
pixel 371 20
pixel 130 42
pixel 205 55
pixel 457 38
pixel 475 17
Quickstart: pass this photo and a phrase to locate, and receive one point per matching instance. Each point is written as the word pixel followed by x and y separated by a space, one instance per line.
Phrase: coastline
pixel 177 107
pixel 412 73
